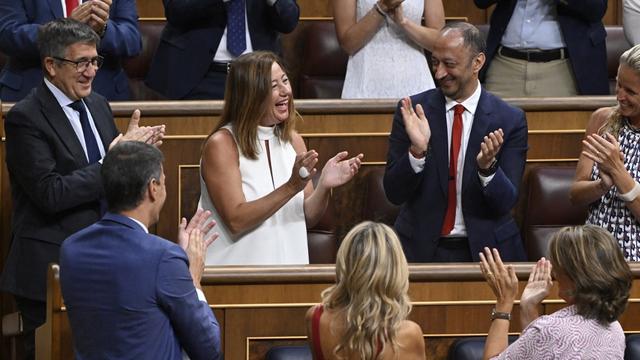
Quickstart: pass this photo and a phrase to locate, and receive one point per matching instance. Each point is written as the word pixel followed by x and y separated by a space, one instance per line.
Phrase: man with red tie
pixel 456 160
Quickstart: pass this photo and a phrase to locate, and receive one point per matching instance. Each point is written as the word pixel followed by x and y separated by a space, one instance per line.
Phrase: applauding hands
pixel 503 282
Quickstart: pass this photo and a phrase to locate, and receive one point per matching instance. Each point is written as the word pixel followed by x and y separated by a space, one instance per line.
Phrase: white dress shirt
pixel 470 106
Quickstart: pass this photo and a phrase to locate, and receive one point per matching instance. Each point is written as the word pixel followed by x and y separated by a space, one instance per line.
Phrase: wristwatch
pixel 500 315
pixel 493 167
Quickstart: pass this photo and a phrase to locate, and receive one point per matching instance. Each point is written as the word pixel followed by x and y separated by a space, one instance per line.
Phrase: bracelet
pixel 493 167
pixel 418 155
pixel 380 11
pixel 631 195
pixel 500 315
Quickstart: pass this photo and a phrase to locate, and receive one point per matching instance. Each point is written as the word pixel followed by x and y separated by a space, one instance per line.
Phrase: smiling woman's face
pixel 280 96
pixel 628 93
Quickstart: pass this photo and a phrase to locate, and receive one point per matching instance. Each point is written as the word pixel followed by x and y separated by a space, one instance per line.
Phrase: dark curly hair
pixel 592 259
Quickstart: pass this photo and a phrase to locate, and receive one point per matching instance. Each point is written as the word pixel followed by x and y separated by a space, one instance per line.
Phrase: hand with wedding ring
pixel 501 279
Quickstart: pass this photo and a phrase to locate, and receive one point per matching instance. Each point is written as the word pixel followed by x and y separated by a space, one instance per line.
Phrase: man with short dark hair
pixel 455 161
pixel 56 138
pixel 131 294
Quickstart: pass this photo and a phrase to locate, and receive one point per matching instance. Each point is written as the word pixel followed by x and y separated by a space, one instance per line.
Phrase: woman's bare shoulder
pixel 411 340
pixel 598 118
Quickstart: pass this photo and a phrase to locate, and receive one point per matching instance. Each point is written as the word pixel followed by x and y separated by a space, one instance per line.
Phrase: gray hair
pixel 471 36
pixel 56 36
pixel 631 58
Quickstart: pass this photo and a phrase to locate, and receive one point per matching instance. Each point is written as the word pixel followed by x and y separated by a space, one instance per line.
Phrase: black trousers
pixel 453 250
pixel 34 314
pixel 210 88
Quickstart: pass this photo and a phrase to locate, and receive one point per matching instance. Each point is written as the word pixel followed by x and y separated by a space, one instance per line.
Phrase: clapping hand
pixel 303 165
pixel 338 170
pixel 489 148
pixel 416 125
pixel 148 134
pixel 389 5
pixel 501 279
pixel 605 151
pixel 202 221
pixel 194 238
pixel 539 284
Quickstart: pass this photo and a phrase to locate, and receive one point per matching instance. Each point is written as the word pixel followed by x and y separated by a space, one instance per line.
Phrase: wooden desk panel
pixel 262 306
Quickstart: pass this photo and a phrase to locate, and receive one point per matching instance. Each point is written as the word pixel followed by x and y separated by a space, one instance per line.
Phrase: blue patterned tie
pixel 93 152
pixel 236 41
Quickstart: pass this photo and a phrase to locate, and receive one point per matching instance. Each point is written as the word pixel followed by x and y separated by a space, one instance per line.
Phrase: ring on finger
pixel 303 172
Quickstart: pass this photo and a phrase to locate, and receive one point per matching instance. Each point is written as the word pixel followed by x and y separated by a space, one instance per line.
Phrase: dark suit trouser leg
pixel 210 88
pixel 453 250
pixel 34 314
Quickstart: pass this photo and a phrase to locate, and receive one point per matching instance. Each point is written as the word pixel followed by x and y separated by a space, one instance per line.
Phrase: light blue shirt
pixel 534 25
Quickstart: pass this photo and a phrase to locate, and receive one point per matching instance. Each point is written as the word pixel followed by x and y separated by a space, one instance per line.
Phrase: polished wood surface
pixel 264 306
pixel 452 8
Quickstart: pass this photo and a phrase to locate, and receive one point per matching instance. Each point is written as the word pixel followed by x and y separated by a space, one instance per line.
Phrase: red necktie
pixel 456 140
pixel 71 5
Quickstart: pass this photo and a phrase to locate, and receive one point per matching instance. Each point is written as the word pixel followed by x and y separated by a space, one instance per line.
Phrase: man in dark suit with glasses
pixel 56 138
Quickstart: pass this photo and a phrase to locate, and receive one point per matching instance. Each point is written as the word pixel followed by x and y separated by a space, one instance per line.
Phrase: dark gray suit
pixel 55 191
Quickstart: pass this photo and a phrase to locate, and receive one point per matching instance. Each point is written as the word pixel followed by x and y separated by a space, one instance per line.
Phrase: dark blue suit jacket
pixel 191 37
pixel 583 32
pixel 19 23
pixel 130 296
pixel 423 196
pixel 55 191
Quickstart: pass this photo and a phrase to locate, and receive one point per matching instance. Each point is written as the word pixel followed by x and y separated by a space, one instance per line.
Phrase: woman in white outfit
pixel 385 42
pixel 255 170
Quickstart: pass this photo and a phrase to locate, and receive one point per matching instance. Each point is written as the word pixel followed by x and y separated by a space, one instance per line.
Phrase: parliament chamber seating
pixel 376 205
pixel 548 207
pixel 321 238
pixel 323 65
pixel 137 67
pixel 632 352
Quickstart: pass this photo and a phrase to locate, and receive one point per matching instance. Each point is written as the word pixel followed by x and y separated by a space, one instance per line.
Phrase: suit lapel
pixel 60 124
pixel 439 140
pixel 479 128
pixel 100 119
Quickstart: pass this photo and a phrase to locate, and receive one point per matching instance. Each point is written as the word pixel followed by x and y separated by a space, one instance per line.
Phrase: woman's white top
pixel 282 238
pixel 390 65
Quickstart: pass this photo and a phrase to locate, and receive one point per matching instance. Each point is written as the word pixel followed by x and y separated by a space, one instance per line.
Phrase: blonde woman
pixel 593 279
pixel 608 172
pixel 363 316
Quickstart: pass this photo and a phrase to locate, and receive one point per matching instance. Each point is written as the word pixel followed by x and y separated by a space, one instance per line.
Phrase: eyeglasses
pixel 82 65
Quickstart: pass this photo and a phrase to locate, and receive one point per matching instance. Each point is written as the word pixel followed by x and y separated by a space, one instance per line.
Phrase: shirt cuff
pixel 201 295
pixel 416 164
pixel 271 2
pixel 485 180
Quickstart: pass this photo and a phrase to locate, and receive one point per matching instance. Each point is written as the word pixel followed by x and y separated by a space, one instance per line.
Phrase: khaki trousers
pixel 508 77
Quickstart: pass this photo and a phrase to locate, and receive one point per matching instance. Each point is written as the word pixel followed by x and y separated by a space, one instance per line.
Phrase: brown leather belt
pixel 534 55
